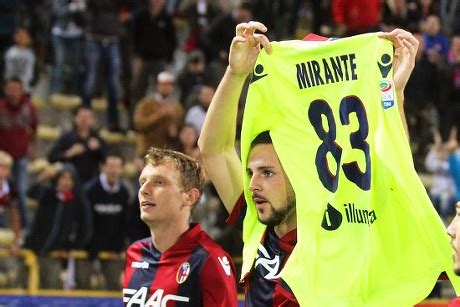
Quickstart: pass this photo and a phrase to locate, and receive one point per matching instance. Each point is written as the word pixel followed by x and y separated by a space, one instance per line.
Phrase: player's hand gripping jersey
pixel 367 232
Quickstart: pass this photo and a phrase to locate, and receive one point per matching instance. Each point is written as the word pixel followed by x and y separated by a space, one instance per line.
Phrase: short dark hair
pixel 114 153
pixel 82 107
pixel 246 5
pixel 262 138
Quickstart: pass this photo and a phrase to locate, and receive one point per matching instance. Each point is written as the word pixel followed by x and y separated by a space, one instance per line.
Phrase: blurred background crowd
pixel 89 85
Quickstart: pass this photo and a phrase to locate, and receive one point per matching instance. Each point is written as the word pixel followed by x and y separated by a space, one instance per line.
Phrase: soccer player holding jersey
pixel 179 265
pixel 271 190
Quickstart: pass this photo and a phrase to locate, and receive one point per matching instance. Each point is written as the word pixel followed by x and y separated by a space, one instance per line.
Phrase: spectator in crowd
pixel 177 252
pixel 423 100
pixel 436 43
pixel 451 115
pixel 9 213
pixel 67 34
pixel 82 146
pixel 198 15
pixel 187 141
pixel 419 10
pixel 193 75
pixel 279 16
pixel 450 16
pixel 36 16
pixel 210 212
pixel 217 39
pixel 442 189
pixel 356 16
pixel 102 43
pixel 18 125
pixel 165 88
pixel 20 59
pixel 157 123
pixel 394 14
pixel 195 116
pixel 454 161
pixel 152 24
pixel 107 197
pixel 62 222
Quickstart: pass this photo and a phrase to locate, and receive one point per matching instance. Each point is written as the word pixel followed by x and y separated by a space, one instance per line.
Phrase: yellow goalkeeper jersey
pixel 367 232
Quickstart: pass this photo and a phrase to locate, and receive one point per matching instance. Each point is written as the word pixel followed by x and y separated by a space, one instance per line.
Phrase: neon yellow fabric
pixel 376 245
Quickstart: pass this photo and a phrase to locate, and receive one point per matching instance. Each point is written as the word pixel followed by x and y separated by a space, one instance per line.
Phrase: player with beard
pixel 271 189
pixel 275 203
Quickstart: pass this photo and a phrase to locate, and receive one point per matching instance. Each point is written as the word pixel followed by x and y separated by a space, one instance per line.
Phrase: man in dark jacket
pixel 81 146
pixel 62 222
pixel 108 198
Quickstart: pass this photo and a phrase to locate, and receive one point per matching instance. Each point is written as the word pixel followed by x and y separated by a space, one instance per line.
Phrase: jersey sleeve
pixel 238 210
pixel 218 283
pixel 283 296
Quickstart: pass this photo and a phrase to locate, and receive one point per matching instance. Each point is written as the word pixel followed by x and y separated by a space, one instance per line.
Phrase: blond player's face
pixel 161 195
pixel 454 232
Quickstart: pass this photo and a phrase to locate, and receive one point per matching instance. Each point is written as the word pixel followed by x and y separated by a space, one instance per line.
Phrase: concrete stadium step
pixel 125 143
pixel 60 110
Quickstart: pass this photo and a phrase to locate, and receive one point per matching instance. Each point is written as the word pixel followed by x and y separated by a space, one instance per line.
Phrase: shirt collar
pixel 106 186
pixel 187 240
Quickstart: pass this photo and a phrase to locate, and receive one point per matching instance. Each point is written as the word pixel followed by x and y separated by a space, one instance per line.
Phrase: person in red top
pixel 271 189
pixel 356 16
pixel 179 263
pixel 18 124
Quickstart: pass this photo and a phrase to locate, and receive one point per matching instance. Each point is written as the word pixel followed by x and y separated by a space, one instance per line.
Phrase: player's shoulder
pixel 208 244
pixel 146 242
pixel 216 255
pixel 218 262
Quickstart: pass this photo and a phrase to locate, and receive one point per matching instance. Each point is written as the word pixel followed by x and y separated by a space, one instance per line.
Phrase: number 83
pixel 348 105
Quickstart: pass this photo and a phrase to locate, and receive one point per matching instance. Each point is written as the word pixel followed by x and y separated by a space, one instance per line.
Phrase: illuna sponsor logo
pixel 333 218
pixel 359 216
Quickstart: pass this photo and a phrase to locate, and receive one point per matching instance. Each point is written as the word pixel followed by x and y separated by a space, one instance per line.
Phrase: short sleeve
pixel 218 283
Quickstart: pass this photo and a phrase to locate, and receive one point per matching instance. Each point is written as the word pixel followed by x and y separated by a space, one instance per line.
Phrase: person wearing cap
pixel 157 117
pixel 165 87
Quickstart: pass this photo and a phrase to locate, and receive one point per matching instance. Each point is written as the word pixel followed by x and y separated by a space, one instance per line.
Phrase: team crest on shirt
pixel 183 272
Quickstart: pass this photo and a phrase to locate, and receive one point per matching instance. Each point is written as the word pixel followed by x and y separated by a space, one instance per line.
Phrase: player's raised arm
pixel 217 139
pixel 406 46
